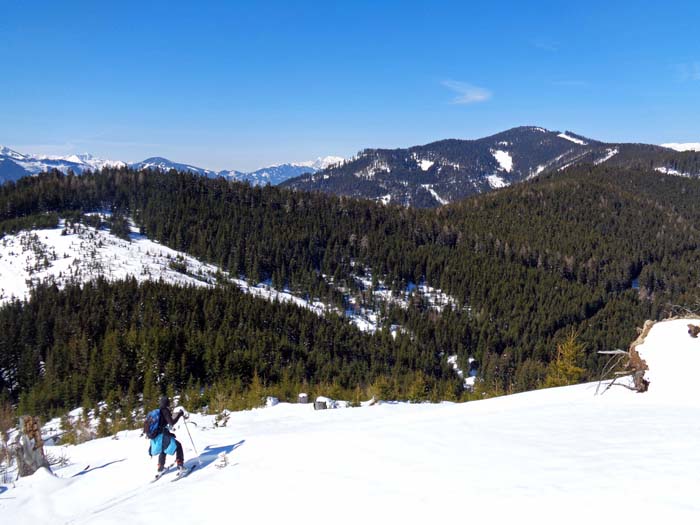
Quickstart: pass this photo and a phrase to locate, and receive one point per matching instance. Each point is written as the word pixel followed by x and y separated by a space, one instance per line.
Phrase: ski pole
pixel 192 441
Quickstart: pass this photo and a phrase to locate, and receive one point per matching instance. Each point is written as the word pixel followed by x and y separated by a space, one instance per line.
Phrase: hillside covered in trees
pixel 592 251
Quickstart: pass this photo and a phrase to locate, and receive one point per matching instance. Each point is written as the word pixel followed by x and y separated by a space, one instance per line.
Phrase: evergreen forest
pixel 592 251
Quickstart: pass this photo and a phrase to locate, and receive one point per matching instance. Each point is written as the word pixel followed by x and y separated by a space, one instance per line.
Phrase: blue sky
pixel 240 85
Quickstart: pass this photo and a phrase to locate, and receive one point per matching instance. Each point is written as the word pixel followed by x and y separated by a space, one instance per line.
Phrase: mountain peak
pixel 447 170
pixel 7 152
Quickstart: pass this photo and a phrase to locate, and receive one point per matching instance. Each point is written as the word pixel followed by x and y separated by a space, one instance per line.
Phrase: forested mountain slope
pixel 594 249
pixel 448 170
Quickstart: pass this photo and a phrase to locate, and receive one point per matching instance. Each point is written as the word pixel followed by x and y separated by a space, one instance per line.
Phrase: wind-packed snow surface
pixel 564 455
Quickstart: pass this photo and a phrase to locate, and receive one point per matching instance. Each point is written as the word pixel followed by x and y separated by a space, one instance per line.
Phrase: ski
pixel 162 472
pixel 184 473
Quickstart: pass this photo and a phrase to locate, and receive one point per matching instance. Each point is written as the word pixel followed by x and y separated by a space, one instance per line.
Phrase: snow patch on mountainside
pixel 609 154
pixel 505 161
pixel 671 171
pixel 435 195
pixel 682 146
pixel 470 380
pixel 496 181
pixel 377 166
pixel 425 165
pixel 572 139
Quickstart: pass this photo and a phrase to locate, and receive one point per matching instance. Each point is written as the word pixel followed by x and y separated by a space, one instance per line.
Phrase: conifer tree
pixel 565 369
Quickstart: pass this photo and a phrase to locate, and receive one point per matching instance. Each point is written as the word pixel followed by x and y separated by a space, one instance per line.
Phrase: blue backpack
pixel 151 426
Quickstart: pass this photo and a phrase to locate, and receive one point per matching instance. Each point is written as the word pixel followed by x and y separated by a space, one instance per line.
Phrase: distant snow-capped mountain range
pixel 14 165
pixel 449 170
pixel 427 175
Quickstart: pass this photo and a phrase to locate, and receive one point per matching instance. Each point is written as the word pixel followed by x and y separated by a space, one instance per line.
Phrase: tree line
pixel 593 249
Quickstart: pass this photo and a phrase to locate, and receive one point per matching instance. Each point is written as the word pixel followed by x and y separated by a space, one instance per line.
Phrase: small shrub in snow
pixel 76 430
pixel 222 460
pixel 221 419
pixel 58 460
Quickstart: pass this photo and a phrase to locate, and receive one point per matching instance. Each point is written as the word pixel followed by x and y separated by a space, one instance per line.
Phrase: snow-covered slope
pixel 83 253
pixel 683 146
pixel 553 456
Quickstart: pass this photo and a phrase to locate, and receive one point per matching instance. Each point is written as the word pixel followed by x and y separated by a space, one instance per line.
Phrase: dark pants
pixel 179 455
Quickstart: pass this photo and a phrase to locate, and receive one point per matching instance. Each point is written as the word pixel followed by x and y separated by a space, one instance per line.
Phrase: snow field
pixel 562 455
pixel 541 454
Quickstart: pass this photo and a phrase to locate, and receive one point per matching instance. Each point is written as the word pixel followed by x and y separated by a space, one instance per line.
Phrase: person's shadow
pixel 211 453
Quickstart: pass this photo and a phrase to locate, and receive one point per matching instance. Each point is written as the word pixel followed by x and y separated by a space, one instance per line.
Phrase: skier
pixel 165 442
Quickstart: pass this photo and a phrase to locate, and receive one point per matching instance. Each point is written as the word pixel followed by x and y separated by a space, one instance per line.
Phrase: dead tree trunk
pixel 637 365
pixel 29 447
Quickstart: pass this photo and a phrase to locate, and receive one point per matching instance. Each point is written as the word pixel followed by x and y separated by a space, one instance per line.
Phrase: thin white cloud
pixel 571 83
pixel 688 71
pixel 546 45
pixel 467 93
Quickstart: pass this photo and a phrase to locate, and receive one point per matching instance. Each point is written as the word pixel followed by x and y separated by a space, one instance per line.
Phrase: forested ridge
pixel 596 250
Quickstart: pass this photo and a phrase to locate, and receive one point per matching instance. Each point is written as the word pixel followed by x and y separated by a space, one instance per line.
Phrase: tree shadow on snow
pixel 210 453
pixel 88 469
